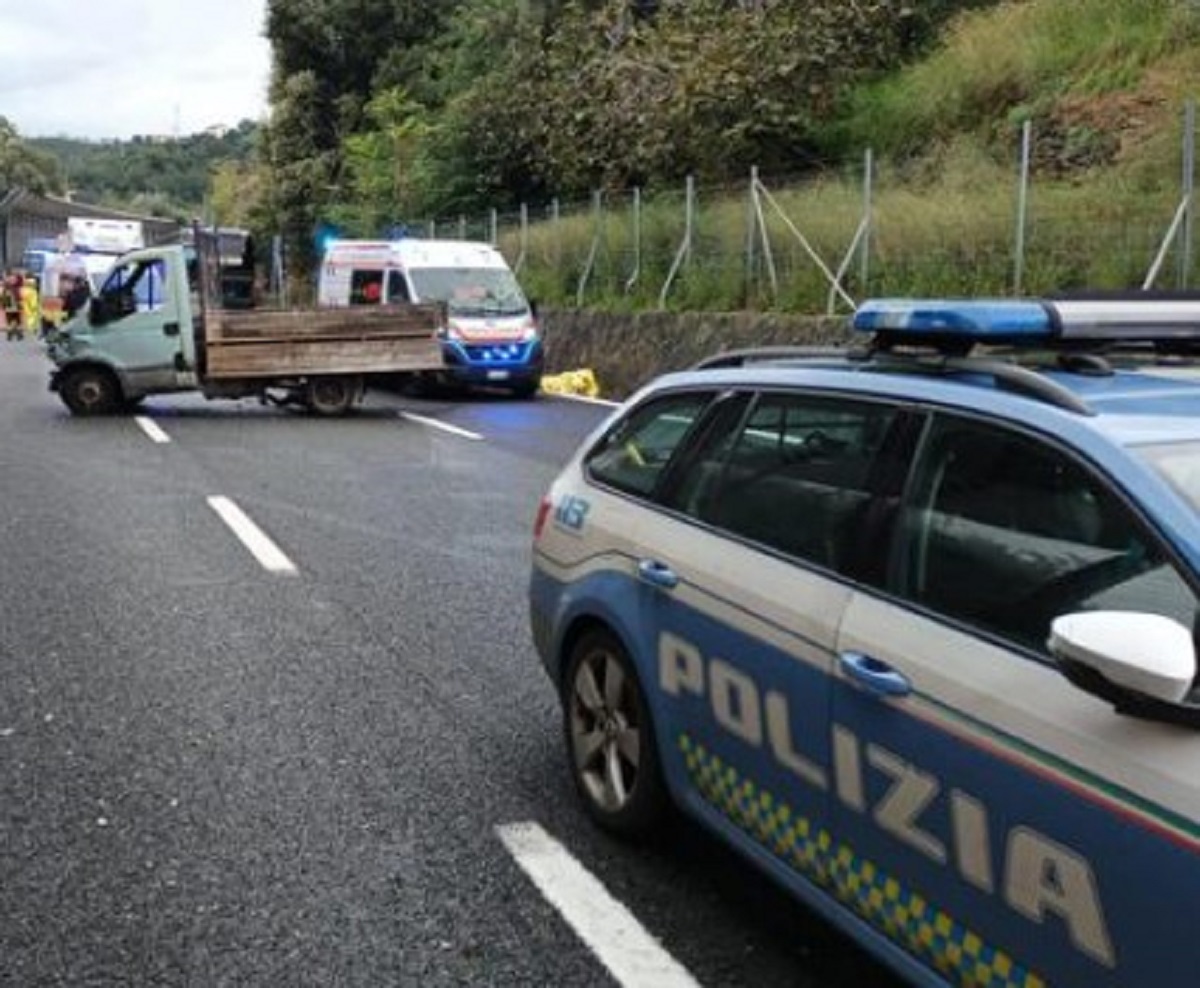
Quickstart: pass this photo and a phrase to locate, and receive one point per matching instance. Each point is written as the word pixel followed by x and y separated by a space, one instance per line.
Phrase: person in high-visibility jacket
pixel 31 306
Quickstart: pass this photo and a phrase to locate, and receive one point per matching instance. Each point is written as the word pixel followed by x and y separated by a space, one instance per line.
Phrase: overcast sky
pixel 116 68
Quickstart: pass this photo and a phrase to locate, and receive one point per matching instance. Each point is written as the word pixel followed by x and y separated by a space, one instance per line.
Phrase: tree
pixel 302 170
pixel 378 164
pixel 25 167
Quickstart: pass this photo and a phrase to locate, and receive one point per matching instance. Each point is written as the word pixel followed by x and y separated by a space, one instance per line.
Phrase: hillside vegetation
pixel 567 129
pixel 1103 84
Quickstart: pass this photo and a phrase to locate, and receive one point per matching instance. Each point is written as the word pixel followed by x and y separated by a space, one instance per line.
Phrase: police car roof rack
pixel 762 354
pixel 1007 375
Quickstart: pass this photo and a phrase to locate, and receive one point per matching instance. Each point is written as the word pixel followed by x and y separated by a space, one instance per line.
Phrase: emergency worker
pixel 10 299
pixel 31 305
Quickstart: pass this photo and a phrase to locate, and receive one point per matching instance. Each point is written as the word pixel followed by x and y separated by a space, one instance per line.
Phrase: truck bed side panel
pixel 330 341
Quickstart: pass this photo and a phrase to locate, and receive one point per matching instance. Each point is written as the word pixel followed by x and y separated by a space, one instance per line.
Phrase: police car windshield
pixel 1179 464
pixel 471 291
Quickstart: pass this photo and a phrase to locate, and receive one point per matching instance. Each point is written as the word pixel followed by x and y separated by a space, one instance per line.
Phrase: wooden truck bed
pixel 308 342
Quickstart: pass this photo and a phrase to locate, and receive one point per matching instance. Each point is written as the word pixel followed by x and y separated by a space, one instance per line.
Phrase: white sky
pixel 116 68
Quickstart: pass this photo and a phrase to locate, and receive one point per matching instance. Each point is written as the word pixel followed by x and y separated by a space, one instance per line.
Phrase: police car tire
pixel 647 805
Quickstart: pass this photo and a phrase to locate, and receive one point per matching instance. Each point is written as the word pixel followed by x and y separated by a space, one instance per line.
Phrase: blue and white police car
pixel 913 625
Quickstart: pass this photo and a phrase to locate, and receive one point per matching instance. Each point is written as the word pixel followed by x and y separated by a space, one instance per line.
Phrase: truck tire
pixel 333 395
pixel 90 391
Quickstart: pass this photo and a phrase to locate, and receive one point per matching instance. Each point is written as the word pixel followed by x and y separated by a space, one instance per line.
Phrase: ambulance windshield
pixel 471 291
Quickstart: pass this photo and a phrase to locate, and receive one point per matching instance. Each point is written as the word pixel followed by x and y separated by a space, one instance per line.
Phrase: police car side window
pixel 795 476
pixel 1006 533
pixel 633 456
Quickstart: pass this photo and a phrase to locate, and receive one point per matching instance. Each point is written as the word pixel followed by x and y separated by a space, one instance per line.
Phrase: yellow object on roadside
pixel 575 382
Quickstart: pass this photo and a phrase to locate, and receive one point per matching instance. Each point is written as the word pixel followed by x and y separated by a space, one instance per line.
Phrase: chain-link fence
pixel 823 243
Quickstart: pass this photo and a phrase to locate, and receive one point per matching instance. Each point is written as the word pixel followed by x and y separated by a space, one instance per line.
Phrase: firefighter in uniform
pixel 31 306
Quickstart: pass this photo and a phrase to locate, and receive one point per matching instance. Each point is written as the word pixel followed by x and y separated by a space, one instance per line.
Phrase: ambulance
pixel 491 337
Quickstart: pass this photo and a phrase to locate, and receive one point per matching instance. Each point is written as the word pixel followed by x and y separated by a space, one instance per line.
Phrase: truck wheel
pixel 333 395
pixel 611 746
pixel 90 391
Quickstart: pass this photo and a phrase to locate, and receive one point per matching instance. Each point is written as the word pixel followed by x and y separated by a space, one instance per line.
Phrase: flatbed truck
pixel 155 327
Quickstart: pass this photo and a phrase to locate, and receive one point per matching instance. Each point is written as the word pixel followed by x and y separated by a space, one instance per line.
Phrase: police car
pixel 913 626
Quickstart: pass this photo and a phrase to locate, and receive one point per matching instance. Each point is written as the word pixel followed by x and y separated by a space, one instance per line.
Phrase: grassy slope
pixel 1104 84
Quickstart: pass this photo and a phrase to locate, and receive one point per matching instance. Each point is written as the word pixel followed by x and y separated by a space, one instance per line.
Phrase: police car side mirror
pixel 1125 657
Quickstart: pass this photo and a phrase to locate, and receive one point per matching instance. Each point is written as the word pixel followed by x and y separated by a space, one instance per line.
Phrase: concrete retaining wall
pixel 625 351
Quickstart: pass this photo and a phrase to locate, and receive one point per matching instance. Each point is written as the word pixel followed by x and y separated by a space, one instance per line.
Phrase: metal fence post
pixel 751 238
pixel 864 271
pixel 495 227
pixel 524 238
pixel 637 240
pixel 586 274
pixel 1022 207
pixel 685 249
pixel 556 231
pixel 1189 183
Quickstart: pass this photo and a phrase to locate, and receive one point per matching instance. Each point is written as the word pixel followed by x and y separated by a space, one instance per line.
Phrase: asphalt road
pixel 216 773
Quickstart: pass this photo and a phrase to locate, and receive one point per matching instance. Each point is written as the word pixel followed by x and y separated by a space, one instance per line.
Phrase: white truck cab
pixel 491 337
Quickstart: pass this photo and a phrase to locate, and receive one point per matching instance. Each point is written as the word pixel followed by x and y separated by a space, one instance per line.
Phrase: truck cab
pixel 491 338
pixel 136 337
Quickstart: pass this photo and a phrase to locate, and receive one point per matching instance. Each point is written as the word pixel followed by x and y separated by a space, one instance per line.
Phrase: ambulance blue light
pixel 978 320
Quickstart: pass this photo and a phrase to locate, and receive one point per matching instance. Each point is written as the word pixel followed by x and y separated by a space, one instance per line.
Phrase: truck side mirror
pixel 97 311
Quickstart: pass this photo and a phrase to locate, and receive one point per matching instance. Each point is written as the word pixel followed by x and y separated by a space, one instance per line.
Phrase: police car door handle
pixel 874 676
pixel 170 329
pixel 659 574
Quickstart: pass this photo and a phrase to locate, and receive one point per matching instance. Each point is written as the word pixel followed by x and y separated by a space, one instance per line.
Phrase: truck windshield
pixel 471 291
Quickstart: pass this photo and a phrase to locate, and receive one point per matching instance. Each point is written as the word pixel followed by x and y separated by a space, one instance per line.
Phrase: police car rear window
pixel 634 454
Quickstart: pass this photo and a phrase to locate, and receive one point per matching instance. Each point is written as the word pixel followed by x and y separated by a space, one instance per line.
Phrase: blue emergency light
pixel 1061 322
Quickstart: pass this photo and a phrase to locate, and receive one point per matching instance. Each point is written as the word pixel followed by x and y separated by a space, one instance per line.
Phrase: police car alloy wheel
pixel 610 738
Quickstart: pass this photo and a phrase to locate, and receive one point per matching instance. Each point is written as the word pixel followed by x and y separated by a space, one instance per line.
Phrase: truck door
pixel 137 325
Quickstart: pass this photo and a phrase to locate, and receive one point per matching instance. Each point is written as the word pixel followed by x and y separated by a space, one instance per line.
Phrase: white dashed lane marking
pixel 150 427
pixel 454 430
pixel 633 957
pixel 268 554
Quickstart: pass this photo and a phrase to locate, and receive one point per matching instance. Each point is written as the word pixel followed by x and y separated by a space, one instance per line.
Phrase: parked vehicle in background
pixel 101 241
pixel 152 329
pixel 913 627
pixel 491 336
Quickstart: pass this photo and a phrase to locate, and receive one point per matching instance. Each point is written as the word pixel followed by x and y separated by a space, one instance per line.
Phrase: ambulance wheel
pixel 610 739
pixel 332 395
pixel 90 391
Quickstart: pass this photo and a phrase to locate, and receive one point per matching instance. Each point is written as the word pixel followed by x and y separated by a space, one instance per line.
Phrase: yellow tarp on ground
pixel 575 382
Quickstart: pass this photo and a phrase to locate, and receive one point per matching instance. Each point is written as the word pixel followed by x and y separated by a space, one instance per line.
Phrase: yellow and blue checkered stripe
pixel 906 917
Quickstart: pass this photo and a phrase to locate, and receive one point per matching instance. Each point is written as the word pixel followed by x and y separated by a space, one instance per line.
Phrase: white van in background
pixel 491 337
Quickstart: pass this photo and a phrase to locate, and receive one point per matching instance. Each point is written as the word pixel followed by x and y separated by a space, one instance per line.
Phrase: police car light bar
pixel 1061 322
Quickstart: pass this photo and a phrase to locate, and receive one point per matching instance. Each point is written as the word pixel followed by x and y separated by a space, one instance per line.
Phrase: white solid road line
pixel 633 957
pixel 586 399
pixel 444 426
pixel 264 550
pixel 150 427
